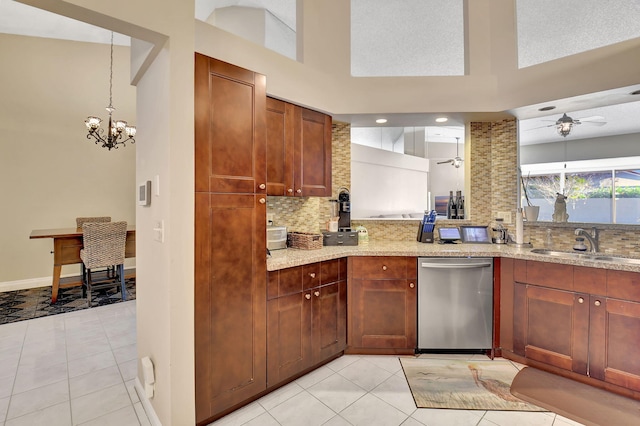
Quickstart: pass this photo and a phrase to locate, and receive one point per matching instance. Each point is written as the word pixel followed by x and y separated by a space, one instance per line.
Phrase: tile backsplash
pixel 494 183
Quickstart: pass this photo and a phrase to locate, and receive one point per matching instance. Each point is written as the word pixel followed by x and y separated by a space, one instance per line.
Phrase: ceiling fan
pixel 565 123
pixel 456 161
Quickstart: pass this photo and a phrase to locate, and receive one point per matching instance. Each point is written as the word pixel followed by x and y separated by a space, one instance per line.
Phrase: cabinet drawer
pixel 381 268
pixel 549 274
pixel 330 272
pixel 310 275
pixel 283 282
pixel 623 285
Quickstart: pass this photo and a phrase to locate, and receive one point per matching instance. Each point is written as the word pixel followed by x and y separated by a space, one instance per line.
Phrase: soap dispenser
pixel 548 242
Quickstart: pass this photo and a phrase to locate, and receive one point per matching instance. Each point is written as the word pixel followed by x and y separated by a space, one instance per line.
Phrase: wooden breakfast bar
pixel 67 243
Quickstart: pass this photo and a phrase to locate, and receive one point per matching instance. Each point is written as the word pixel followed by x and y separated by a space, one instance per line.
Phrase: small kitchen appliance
pixel 344 201
pixel 276 237
pixel 500 232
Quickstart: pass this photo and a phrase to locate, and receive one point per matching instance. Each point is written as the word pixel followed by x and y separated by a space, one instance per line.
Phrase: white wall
pixel 386 183
pixel 50 173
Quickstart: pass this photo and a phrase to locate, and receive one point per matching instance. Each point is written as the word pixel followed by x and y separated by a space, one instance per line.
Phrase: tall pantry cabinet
pixel 230 246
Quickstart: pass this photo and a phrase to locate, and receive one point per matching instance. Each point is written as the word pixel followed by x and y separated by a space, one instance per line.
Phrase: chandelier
pixel 117 129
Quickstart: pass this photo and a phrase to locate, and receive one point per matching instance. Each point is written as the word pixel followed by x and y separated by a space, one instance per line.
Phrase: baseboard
pixel 38 282
pixel 146 404
pixel 25 284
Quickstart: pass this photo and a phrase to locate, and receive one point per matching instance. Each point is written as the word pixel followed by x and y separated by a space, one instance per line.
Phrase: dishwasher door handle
pixel 455 265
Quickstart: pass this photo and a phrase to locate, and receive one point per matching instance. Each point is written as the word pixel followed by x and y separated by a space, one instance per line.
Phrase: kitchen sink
pixel 587 256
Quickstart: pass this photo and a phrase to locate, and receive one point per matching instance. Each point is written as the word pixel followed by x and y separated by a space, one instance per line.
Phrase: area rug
pixel 32 303
pixel 463 385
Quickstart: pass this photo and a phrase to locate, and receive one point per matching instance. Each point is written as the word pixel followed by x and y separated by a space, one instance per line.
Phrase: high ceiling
pixel 619 109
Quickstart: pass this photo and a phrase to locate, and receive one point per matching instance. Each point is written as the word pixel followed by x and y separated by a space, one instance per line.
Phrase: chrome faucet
pixel 591 237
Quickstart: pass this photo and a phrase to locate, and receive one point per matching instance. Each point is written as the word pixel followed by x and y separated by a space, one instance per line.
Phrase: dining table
pixel 67 243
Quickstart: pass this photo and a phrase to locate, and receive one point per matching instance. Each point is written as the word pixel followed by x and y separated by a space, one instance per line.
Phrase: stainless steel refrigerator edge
pixel 455 303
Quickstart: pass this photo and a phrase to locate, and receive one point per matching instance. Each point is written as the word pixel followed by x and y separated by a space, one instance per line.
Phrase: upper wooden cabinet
pixel 298 150
pixel 230 136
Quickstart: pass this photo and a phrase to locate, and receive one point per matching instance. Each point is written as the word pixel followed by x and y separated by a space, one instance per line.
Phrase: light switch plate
pixel 158 230
pixel 505 216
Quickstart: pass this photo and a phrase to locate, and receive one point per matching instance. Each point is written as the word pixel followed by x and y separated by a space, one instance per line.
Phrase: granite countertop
pixel 289 257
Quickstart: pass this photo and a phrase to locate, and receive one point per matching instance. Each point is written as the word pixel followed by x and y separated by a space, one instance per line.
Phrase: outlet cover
pixel 505 216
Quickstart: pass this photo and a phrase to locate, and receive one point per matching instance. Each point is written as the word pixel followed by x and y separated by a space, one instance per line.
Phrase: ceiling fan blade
pixel 597 118
pixel 542 127
pixel 445 162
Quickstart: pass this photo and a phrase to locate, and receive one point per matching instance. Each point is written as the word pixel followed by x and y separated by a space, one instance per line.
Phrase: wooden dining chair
pixel 104 246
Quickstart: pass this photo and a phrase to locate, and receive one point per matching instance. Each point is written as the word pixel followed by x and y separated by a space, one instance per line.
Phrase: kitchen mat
pixel 463 385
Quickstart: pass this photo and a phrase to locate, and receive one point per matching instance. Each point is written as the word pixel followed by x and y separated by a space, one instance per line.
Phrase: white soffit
pixel 407 38
pixel 552 29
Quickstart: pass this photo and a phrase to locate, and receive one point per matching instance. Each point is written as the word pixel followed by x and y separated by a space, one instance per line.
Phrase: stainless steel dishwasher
pixel 455 304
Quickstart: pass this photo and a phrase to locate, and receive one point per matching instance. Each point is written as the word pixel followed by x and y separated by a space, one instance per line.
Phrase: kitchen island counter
pixel 288 258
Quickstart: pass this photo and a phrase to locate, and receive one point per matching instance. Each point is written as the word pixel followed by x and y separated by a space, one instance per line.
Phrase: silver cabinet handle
pixel 262 186
pixel 455 265
pixel 597 303
pixel 412 285
pixel 307 296
pixel 262 200
pixel 384 267
pixel 312 274
pixel 290 190
pixel 299 191
pixel 580 299
pixel 317 293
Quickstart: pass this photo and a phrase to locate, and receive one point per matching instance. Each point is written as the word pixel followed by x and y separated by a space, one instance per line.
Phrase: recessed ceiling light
pixel 381 120
pixel 547 108
pixel 637 92
pixel 442 120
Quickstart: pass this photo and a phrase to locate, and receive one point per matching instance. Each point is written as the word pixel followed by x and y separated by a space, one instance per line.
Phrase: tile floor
pixel 71 369
pixel 368 391
pixel 79 368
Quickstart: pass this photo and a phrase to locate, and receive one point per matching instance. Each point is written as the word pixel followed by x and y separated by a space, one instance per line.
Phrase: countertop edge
pixel 288 258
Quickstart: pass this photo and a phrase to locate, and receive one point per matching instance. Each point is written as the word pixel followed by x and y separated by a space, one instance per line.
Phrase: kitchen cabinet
pixel 575 319
pixel 230 244
pixel 382 313
pixel 306 317
pixel 298 150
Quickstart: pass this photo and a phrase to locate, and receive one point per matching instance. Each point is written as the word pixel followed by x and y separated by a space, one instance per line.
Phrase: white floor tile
pixel 439 417
pixel 131 388
pixel 88 346
pixel 4 405
pixel 97 404
pixel 340 363
pixel 56 415
pixel 337 421
pixel 370 410
pixel 129 369
pixel 126 353
pixel 520 418
pixel 412 422
pixel 241 416
pixel 125 416
pixel 6 384
pixel 365 374
pixel 32 377
pixel 80 366
pixel 389 363
pixel 278 396
pixel 125 339
pixel 94 381
pixel 337 392
pixel 263 420
pixel 395 391
pixel 38 399
pixel 314 377
pixel 302 409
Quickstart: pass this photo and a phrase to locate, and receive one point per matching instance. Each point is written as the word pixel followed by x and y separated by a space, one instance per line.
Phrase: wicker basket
pixel 304 240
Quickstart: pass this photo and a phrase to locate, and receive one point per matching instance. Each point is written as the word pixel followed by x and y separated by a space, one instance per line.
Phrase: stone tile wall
pixel 494 188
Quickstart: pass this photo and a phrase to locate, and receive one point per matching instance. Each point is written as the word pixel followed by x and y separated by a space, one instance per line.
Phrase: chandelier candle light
pixel 117 128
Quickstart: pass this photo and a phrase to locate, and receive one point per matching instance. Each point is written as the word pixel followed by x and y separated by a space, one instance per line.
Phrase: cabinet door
pixel 552 326
pixel 613 341
pixel 289 336
pixel 230 136
pixel 280 138
pixel 230 301
pixel 312 168
pixel 329 322
pixel 382 314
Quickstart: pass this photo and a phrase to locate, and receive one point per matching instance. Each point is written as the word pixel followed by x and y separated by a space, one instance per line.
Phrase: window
pixel 590 193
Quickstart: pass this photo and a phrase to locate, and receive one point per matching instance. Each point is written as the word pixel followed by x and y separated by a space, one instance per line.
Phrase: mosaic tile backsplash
pixel 493 179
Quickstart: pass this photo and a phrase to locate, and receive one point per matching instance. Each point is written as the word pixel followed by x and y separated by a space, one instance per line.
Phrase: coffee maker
pixel 344 210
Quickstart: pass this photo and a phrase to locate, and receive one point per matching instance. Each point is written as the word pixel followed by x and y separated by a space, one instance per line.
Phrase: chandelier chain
pixel 110 107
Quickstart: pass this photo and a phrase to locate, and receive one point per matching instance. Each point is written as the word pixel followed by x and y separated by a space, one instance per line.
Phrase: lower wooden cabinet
pixel 382 305
pixel 576 326
pixel 308 325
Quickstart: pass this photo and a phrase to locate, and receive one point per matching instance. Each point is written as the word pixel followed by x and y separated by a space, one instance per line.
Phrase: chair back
pixel 81 220
pixel 104 243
